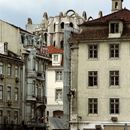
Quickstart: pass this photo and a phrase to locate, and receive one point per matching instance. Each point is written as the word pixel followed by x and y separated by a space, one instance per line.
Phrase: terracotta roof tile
pixel 98 29
pixel 54 50
pixel 123 14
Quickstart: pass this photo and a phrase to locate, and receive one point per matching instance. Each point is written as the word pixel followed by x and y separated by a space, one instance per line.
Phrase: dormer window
pixel 55 57
pixel 115 29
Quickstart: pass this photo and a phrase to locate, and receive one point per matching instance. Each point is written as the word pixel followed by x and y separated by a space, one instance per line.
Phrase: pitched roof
pixel 54 50
pixel 98 29
pixel 123 15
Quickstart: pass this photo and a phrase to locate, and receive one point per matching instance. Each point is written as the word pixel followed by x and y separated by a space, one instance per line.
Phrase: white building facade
pixel 100 59
pixel 55 83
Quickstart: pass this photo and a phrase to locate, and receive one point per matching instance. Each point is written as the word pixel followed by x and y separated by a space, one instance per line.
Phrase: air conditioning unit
pixel 114 119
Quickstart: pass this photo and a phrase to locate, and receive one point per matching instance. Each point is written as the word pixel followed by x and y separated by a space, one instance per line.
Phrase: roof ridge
pixel 103 17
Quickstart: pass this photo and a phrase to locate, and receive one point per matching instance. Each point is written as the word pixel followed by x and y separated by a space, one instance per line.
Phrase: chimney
pixel 100 14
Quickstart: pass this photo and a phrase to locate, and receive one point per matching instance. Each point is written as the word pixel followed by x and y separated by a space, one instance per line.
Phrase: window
pixel 54 43
pixel 54 27
pixel 114 77
pixel 1 116
pixel 45 36
pixel 22 39
pixel 92 78
pixel 36 65
pixel 58 95
pixel 59 75
pixel 114 106
pixel 1 68
pixel 16 117
pixel 55 58
pixel 93 106
pixel 33 88
pixel 1 92
pixel 16 94
pixel 114 50
pixel 16 71
pixel 62 44
pixel 8 93
pixel 39 92
pixel 71 24
pixel 9 69
pixel 62 25
pixel 8 116
pixel 93 51
pixel 114 27
pixel 116 5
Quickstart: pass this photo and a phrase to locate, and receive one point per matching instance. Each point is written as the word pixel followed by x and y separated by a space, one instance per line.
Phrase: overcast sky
pixel 17 11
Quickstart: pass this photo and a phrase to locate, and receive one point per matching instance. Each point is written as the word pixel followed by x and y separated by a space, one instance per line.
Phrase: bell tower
pixel 116 5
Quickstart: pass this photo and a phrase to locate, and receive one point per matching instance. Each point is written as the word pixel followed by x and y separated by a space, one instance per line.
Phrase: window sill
pixel 93 115
pixel 92 87
pixel 114 86
pixel 92 59
pixel 114 58
pixel 114 35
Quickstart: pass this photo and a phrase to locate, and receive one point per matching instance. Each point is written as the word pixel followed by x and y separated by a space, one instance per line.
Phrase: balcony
pixel 40 75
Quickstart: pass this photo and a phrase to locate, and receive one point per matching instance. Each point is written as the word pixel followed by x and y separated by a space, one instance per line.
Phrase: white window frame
pixel 114 78
pixel 55 57
pixel 92 51
pixel 9 69
pixel 92 106
pixel 92 75
pixel 59 75
pixel 114 50
pixel 58 94
pixel 115 105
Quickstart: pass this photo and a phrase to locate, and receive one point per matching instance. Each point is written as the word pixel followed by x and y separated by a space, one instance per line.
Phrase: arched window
pixel 54 27
pixel 62 44
pixel 116 5
pixel 62 25
pixel 54 43
pixel 45 36
pixel 71 24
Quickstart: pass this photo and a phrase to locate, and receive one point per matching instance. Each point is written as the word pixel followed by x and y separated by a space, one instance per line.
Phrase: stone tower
pixel 116 5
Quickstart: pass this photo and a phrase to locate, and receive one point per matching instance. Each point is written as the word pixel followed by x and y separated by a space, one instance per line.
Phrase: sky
pixel 18 11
